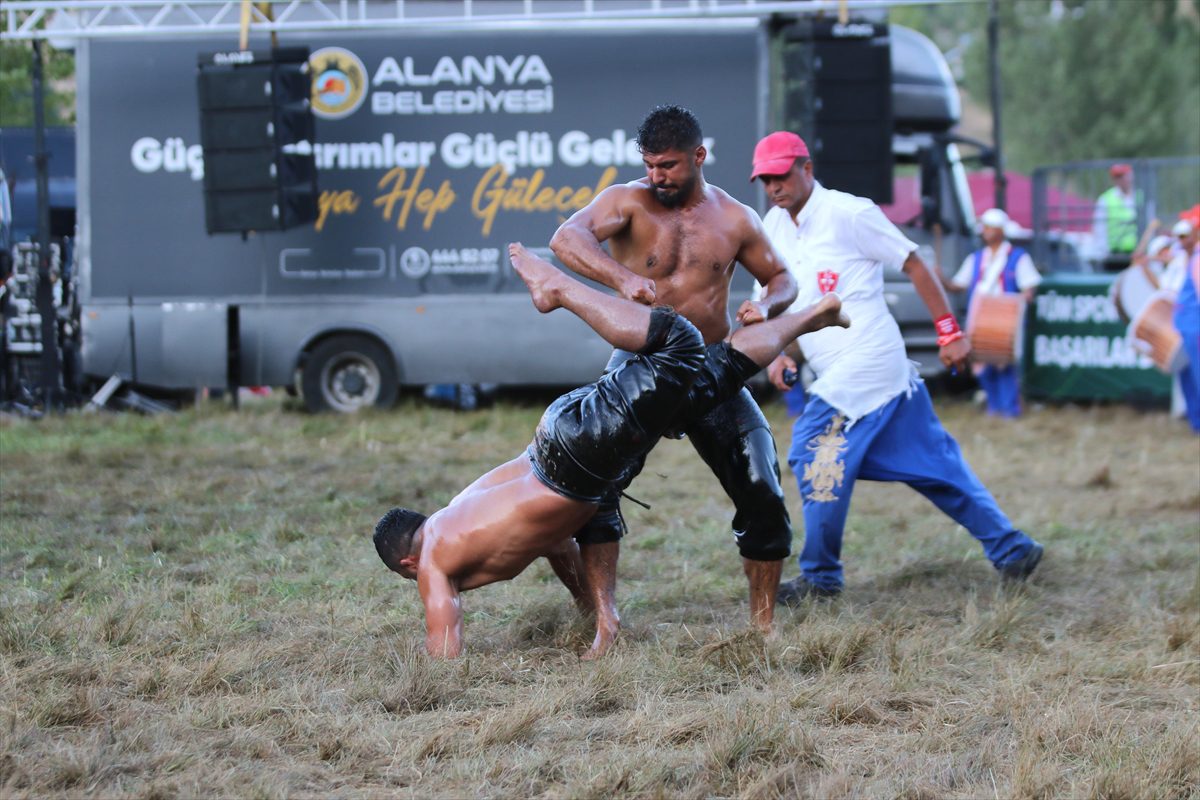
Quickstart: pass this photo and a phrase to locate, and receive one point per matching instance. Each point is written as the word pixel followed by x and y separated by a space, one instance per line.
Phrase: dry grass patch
pixel 829 645
pixel 190 606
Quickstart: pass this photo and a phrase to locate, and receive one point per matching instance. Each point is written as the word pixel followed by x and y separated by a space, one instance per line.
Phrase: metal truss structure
pixel 65 21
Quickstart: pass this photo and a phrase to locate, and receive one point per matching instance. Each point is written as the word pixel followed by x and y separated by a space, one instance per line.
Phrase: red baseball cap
pixel 774 154
pixel 1191 216
pixel 1117 170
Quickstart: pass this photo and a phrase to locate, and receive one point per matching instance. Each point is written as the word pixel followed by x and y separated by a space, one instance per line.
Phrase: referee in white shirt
pixel 869 415
pixel 997 267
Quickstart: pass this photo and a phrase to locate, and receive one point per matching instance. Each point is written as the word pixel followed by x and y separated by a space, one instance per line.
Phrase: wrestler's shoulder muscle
pixel 734 215
pixel 615 207
pixel 623 195
pixel 447 552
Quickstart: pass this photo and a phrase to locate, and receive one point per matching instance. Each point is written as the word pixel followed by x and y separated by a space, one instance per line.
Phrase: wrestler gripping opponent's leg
pixel 754 346
pixel 583 446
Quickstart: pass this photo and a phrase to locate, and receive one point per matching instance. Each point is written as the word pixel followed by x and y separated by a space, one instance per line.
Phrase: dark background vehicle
pixel 16 159
pixel 394 291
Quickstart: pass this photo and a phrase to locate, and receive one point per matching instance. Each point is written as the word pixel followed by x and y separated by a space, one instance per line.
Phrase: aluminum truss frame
pixel 49 19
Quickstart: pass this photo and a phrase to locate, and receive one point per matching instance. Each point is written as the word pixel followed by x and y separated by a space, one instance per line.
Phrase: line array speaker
pixel 837 95
pixel 257 132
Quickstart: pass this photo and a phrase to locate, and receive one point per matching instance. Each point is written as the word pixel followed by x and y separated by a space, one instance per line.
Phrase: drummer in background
pixel 997 267
pixel 1155 264
pixel 1184 247
pixel 868 413
pixel 1186 231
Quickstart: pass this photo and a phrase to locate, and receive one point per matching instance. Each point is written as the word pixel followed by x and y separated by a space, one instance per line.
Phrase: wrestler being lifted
pixel 587 445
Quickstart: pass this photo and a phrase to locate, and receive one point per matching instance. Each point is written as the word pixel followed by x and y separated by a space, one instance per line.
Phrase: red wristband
pixel 947 330
pixel 946 325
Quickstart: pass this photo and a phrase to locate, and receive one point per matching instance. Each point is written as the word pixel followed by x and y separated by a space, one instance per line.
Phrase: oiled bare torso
pixel 689 253
pixel 497 526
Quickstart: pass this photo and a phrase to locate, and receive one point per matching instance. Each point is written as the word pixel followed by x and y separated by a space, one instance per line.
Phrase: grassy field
pixel 190 606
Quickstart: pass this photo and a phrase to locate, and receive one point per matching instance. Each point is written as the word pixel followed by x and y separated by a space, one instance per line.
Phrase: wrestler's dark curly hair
pixel 669 128
pixel 394 535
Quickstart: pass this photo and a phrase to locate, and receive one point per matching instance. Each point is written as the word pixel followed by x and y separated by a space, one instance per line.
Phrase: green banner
pixel 1076 347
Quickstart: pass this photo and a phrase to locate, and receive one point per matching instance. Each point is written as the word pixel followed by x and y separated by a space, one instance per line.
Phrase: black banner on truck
pixel 433 154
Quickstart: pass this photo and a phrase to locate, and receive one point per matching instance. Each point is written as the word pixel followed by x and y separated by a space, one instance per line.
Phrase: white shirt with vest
pixel 992 268
pixel 842 243
pixel 1175 272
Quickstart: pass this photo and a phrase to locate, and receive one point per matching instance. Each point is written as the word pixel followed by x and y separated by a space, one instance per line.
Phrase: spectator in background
pixel 997 268
pixel 1187 232
pixel 1114 221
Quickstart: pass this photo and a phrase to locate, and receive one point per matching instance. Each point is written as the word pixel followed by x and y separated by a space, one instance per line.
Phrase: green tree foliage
pixel 1095 79
pixel 946 24
pixel 1082 79
pixel 16 85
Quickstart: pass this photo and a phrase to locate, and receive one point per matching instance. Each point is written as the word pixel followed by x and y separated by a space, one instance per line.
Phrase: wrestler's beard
pixel 673 197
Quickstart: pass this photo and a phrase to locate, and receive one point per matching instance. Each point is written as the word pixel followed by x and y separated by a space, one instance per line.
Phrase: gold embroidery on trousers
pixel 827 469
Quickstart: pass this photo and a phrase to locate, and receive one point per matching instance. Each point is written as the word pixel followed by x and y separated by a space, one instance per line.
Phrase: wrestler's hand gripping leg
pixel 625 325
pixel 622 323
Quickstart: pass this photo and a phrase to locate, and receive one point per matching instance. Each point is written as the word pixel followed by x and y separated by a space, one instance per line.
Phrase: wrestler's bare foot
pixel 762 341
pixel 543 280
pixel 827 313
pixel 606 636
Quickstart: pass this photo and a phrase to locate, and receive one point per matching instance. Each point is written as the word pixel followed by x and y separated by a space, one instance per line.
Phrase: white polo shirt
pixel 992 268
pixel 1174 274
pixel 842 243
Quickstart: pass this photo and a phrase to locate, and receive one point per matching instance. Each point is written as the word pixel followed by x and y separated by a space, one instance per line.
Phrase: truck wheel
pixel 347 373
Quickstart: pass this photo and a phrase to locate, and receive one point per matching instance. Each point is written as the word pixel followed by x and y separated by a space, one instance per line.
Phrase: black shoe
pixel 793 592
pixel 1017 571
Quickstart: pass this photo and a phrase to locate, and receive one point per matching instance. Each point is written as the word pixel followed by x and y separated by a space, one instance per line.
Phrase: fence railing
pixel 1070 223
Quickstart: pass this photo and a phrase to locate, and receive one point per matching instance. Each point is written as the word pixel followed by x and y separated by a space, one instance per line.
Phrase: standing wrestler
pixel 675 239
pixel 585 447
pixel 869 416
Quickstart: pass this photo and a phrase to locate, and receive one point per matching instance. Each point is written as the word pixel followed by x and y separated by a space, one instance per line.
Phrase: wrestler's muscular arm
pixel 764 262
pixel 577 244
pixel 443 612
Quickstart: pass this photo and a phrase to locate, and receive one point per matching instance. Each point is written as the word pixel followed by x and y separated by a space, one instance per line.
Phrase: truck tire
pixel 348 373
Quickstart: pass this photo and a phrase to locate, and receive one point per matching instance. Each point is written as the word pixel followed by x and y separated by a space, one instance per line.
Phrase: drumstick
pixel 1151 229
pixel 1140 251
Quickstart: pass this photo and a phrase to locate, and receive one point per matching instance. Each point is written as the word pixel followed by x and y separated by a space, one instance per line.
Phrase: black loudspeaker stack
pixel 257 132
pixel 837 95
